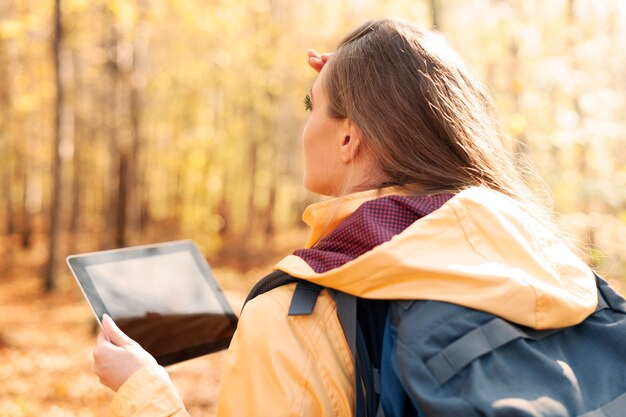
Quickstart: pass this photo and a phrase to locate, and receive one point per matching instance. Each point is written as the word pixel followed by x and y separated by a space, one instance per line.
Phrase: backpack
pixel 440 359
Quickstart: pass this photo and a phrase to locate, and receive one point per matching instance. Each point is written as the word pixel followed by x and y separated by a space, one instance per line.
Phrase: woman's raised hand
pixel 316 60
pixel 117 358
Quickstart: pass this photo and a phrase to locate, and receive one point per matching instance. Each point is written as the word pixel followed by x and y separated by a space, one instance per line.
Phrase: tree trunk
pixel 6 151
pixel 435 10
pixel 122 192
pixel 112 121
pixel 134 183
pixel 583 147
pixel 250 228
pixel 5 105
pixel 26 229
pixel 516 71
pixel 77 161
pixel 7 255
pixel 137 86
pixel 55 192
pixel 270 229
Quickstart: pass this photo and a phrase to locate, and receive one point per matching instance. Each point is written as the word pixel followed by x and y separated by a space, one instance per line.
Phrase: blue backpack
pixel 438 359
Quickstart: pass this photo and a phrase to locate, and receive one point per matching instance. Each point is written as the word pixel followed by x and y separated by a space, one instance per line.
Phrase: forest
pixel 126 122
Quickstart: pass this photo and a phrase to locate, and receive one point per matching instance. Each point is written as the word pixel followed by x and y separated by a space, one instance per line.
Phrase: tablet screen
pixel 163 296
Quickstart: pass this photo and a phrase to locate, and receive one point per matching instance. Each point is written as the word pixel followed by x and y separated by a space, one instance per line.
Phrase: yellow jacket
pixel 479 250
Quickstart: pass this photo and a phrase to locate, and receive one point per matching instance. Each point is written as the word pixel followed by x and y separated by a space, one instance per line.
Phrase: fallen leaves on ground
pixel 46 344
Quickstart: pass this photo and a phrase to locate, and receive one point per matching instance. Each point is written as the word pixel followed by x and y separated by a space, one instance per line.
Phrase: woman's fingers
pixel 116 356
pixel 316 60
pixel 316 64
pixel 313 53
pixel 115 335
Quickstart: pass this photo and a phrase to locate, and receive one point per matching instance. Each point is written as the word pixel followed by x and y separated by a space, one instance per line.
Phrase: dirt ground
pixel 46 344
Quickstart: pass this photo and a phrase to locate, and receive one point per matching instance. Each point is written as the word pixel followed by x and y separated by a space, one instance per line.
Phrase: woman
pixel 429 205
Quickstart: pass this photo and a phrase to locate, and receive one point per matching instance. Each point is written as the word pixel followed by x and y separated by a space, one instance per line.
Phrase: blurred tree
pixel 6 154
pixel 60 122
pixel 5 139
pixel 183 120
pixel 435 7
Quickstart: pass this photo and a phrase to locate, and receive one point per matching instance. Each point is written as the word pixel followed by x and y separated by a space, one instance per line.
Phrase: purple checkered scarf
pixel 373 223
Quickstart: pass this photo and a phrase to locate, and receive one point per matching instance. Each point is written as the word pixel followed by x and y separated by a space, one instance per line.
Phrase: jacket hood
pixel 480 250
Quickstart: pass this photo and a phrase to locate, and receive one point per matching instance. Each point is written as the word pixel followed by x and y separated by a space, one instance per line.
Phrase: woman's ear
pixel 351 143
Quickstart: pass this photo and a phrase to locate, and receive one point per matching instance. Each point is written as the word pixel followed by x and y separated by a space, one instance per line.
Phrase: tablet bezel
pixel 79 263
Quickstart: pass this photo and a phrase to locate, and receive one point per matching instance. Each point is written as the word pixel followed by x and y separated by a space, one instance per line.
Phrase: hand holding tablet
pixel 162 296
pixel 116 356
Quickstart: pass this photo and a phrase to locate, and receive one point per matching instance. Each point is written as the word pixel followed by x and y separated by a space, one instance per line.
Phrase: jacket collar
pixel 324 216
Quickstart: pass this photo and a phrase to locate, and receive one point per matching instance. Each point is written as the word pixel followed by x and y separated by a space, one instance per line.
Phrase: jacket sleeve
pixel 286 366
pixel 276 365
pixel 148 393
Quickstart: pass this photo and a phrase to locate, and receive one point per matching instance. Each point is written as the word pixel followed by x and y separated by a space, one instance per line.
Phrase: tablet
pixel 163 296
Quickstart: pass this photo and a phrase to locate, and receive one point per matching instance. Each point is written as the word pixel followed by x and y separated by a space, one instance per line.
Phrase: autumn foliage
pixel 137 121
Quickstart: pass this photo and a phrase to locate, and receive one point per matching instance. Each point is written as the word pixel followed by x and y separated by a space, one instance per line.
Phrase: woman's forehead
pixel 318 84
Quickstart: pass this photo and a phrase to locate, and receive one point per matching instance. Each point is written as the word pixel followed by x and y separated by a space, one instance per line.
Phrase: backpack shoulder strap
pixel 304 297
pixel 272 280
pixel 303 302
